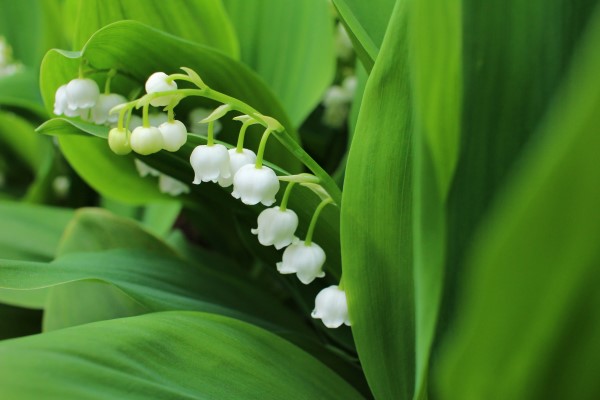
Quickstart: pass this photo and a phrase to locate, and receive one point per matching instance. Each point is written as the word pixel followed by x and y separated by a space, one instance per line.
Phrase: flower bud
pixel 105 103
pixel 118 141
pixel 82 93
pixel 174 134
pixel 157 82
pixel 146 140
pixel 306 261
pixel 210 163
pixel 331 306
pixel 237 161
pixel 276 227
pixel 255 185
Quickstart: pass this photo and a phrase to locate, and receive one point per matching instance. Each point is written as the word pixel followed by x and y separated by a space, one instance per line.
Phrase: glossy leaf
pixel 376 223
pixel 527 323
pixel 366 22
pixel 168 355
pixel 290 45
pixel 200 21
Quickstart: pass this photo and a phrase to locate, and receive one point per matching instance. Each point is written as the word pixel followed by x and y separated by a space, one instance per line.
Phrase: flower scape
pixel 240 168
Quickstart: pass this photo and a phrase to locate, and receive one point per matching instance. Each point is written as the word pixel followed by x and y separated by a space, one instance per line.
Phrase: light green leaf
pixel 366 22
pixel 200 21
pixel 168 355
pixel 29 232
pixel 155 281
pixel 376 223
pixel 290 45
pixel 526 325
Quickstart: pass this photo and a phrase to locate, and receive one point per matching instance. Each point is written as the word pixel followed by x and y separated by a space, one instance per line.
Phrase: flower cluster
pixel 252 182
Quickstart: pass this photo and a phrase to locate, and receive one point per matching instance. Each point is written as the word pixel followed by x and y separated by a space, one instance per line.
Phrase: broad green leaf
pixel 515 55
pixel 290 45
pixel 435 45
pixel 201 21
pixel 376 223
pixel 29 232
pixel 167 355
pixel 30 27
pixel 155 281
pixel 76 303
pixel 366 23
pixel 527 324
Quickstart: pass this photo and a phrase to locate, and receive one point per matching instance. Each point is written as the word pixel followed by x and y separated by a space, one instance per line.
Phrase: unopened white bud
pixel 105 103
pixel 157 82
pixel 174 134
pixel 146 140
pixel 82 93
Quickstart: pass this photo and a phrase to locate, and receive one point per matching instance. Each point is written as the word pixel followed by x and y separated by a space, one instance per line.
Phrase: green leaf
pixel 290 45
pixel 526 325
pixel 168 355
pixel 155 281
pixel 376 223
pixel 29 232
pixel 366 22
pixel 200 21
pixel 435 41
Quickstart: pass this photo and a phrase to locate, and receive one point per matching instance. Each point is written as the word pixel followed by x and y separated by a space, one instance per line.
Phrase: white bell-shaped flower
pixel 118 141
pixel 306 261
pixel 146 140
pixel 104 104
pixel 157 82
pixel 255 185
pixel 82 93
pixel 331 307
pixel 144 169
pixel 276 227
pixel 174 134
pixel 210 163
pixel 171 186
pixel 61 105
pixel 236 161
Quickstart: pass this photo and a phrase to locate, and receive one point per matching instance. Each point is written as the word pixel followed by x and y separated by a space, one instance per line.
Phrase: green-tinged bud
pixel 118 141
pixel 146 141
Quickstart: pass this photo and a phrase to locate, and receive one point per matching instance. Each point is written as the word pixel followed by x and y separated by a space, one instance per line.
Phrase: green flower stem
pixel 145 119
pixel 279 131
pixel 261 147
pixel 211 134
pixel 241 136
pixel 313 221
pixel 109 77
pixel 286 196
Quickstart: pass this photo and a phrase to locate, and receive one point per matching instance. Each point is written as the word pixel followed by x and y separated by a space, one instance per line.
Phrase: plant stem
pixel 261 147
pixel 286 196
pixel 211 133
pixel 313 221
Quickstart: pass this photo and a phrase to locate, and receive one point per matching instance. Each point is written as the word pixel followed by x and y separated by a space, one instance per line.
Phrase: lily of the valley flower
pixel 255 185
pixel 171 186
pixel 210 163
pixel 306 261
pixel 82 93
pixel 144 169
pixel 118 141
pixel 331 307
pixel 146 140
pixel 236 161
pixel 174 134
pixel 157 82
pixel 276 227
pixel 104 104
pixel 61 105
